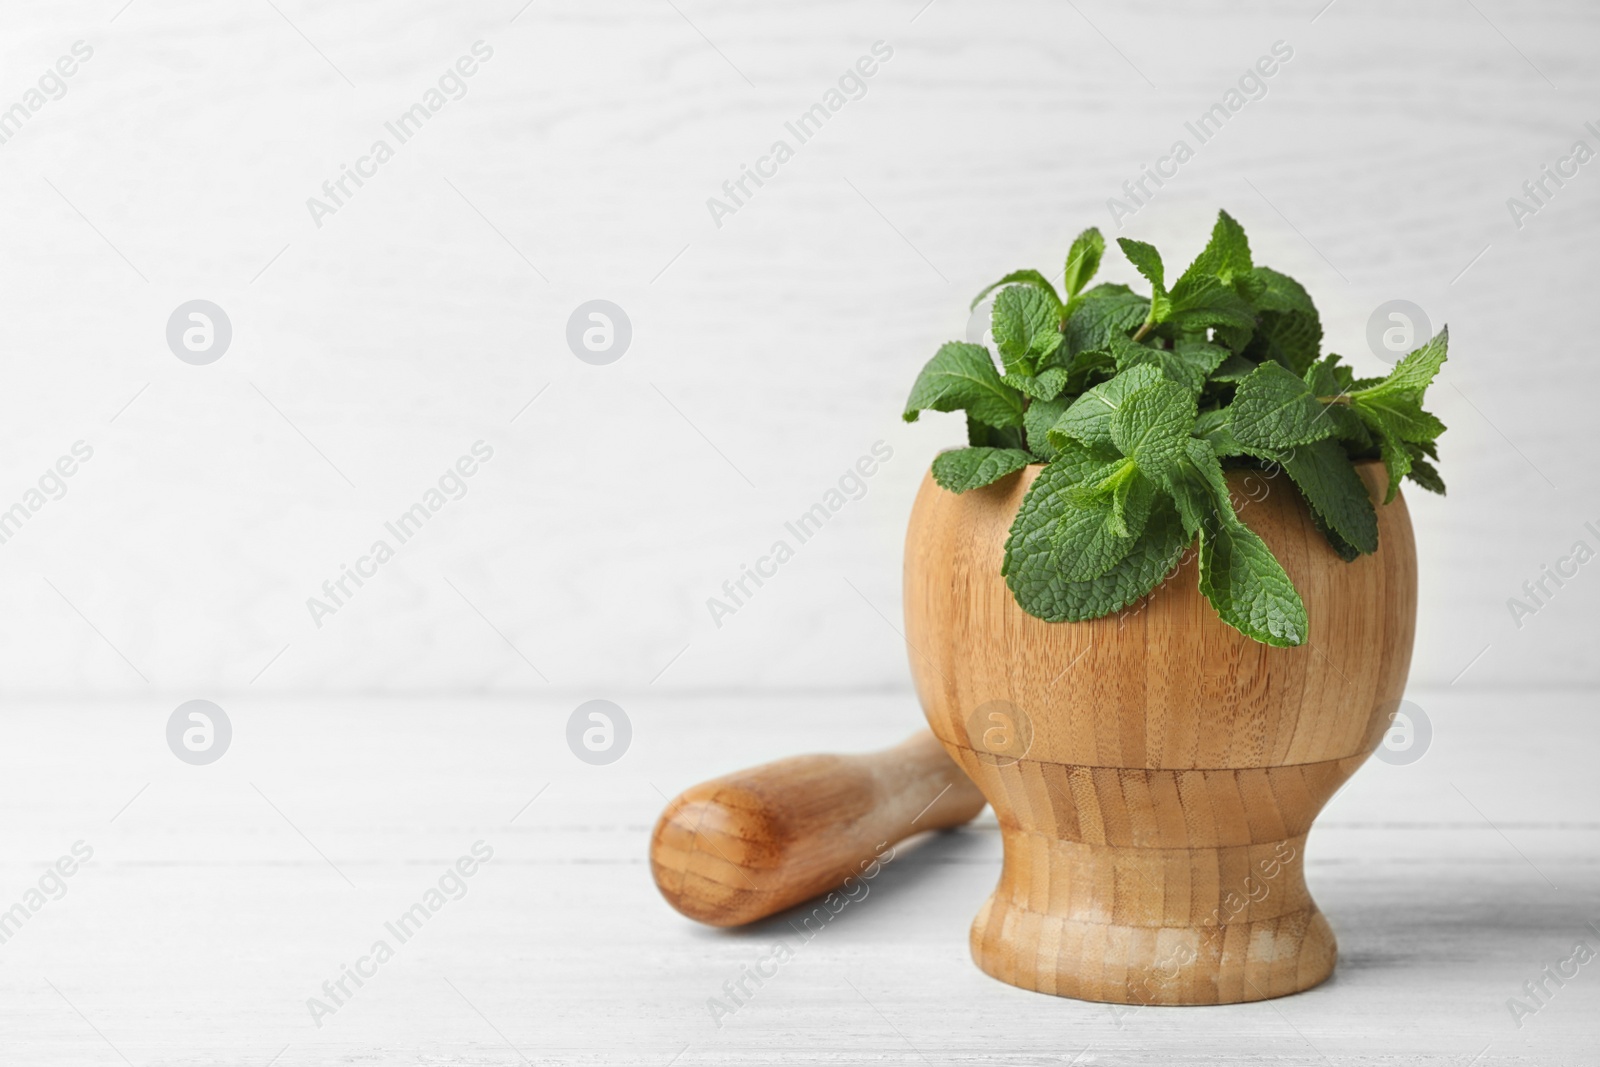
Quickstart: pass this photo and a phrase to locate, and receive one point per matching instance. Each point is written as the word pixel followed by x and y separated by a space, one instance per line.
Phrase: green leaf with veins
pixel 1203 301
pixel 1091 531
pixel 1188 362
pixel 1234 369
pixel 1151 426
pixel 1147 261
pixel 1344 549
pixel 1100 314
pixel 1036 423
pixel 1248 587
pixel 971 468
pixel 1088 420
pixel 1425 474
pixel 1273 409
pixel 1397 420
pixel 1083 259
pixel 1215 428
pixel 963 376
pixel 1197 488
pixel 1329 377
pixel 1033 562
pixel 1323 474
pixel 1226 255
pixel 1026 330
pixel 1046 385
pixel 1288 328
pixel 1416 371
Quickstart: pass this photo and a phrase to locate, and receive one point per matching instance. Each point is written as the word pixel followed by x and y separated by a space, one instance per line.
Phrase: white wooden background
pixel 767 356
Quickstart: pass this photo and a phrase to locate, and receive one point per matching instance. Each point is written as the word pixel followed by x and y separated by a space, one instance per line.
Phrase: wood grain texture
pixel 1154 771
pixel 747 845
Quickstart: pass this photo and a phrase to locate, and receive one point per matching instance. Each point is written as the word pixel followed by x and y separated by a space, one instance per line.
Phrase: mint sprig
pixel 1138 405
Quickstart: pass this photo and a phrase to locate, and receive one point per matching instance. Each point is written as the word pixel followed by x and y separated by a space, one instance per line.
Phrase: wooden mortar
pixel 1155 772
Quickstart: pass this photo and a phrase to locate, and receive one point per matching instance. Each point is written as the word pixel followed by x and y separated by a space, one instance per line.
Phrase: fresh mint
pixel 968 468
pixel 1138 405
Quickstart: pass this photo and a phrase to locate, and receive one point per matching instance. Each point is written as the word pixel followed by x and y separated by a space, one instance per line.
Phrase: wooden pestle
pixel 750 844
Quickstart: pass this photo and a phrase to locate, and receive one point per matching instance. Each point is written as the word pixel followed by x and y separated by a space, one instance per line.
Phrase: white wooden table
pixel 220 898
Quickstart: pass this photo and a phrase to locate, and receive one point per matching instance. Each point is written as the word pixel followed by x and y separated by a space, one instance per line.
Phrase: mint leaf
pixel 1083 259
pixel 1248 587
pixel 1016 277
pixel 1333 489
pixel 1188 362
pixel 1133 433
pixel 982 435
pixel 1425 474
pixel 1397 420
pixel 961 376
pixel 1152 426
pixel 1046 385
pixel 1091 529
pixel 1025 324
pixel 1288 328
pixel 1403 412
pixel 1215 428
pixel 1328 377
pixel 1198 489
pixel 1102 313
pixel 1332 382
pixel 1274 410
pixel 1036 423
pixel 970 468
pixel 1342 548
pixel 1415 372
pixel 1088 420
pixel 1033 570
pixel 1147 261
pixel 1226 256
pixel 1203 301
pixel 1233 369
pixel 1075 463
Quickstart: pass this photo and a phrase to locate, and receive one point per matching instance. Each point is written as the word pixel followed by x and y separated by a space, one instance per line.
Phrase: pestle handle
pixel 750 844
